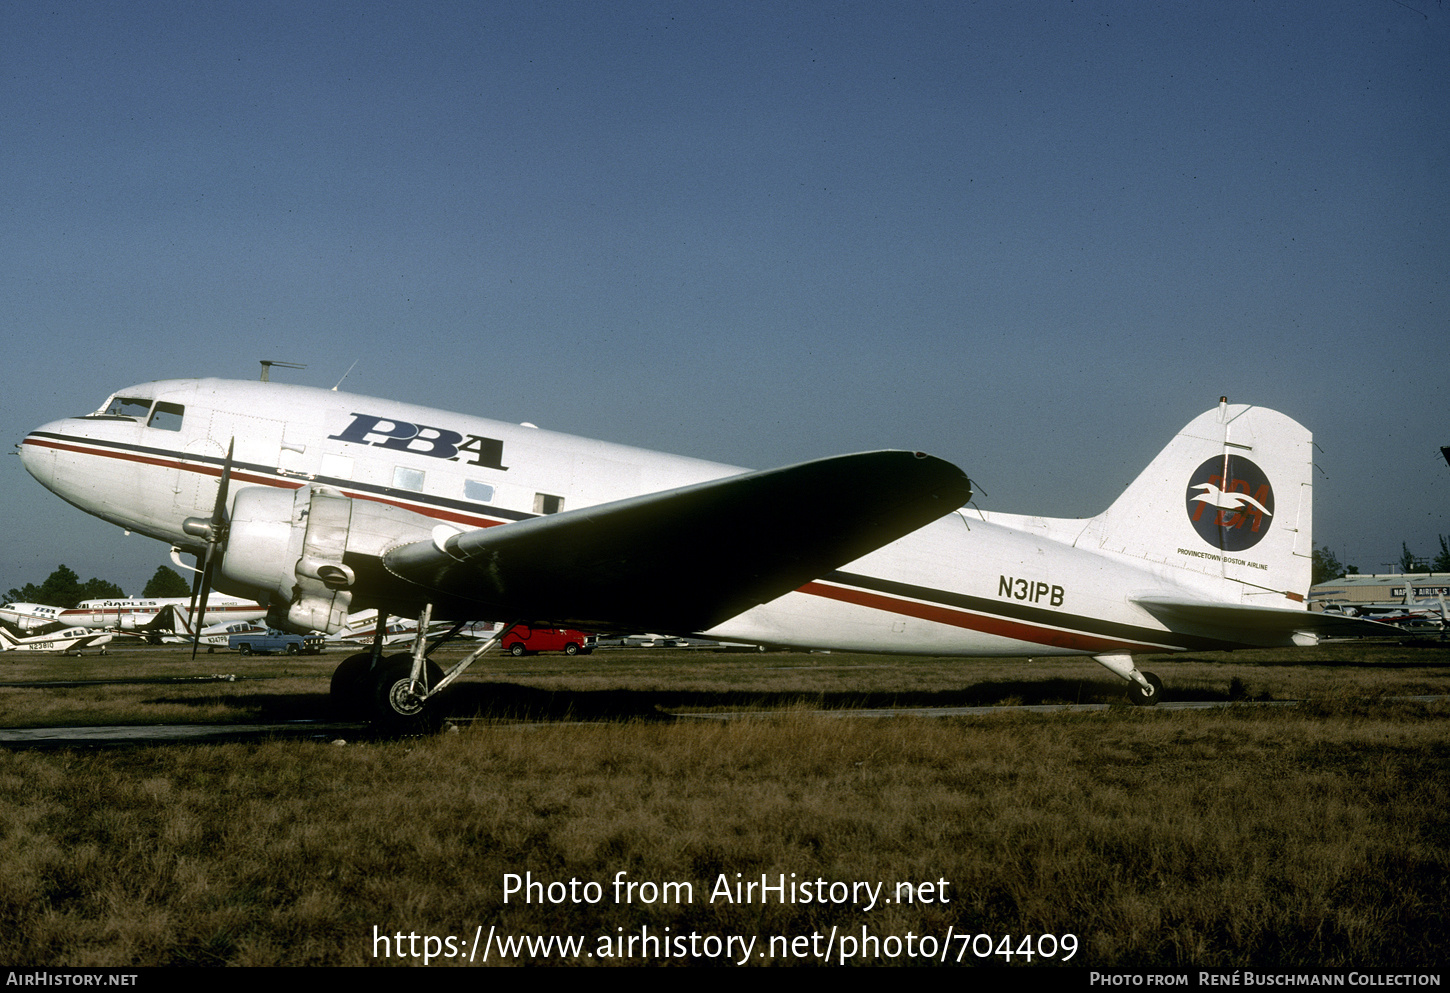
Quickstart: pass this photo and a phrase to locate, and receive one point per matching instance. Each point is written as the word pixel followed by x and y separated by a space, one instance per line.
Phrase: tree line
pixel 63 588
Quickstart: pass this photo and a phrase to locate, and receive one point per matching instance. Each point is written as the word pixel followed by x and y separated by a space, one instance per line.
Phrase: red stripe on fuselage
pixel 986 623
pixel 421 509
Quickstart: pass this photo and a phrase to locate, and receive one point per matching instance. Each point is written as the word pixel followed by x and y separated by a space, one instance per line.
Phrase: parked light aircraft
pixel 1410 612
pixel 220 635
pixel 67 640
pixel 361 628
pixel 318 503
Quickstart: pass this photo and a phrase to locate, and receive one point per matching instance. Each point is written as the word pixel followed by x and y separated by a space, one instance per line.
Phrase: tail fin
pixel 1228 503
pixel 168 620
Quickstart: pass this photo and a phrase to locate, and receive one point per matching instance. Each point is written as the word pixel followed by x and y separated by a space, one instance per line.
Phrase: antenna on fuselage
pixel 267 365
pixel 346 374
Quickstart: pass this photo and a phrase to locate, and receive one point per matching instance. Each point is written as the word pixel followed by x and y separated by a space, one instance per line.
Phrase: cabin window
pixel 407 479
pixel 167 416
pixel 474 490
pixel 135 408
pixel 547 504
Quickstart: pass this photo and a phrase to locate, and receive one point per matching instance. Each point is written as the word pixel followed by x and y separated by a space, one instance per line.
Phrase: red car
pixel 522 640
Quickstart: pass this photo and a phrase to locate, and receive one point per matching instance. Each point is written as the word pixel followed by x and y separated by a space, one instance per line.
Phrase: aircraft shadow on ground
pixel 513 701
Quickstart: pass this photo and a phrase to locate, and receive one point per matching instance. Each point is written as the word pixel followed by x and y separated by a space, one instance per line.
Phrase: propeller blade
pixel 219 509
pixel 195 590
pixel 215 543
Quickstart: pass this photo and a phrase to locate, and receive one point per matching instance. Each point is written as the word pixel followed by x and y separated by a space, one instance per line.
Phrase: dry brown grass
pixel 1283 837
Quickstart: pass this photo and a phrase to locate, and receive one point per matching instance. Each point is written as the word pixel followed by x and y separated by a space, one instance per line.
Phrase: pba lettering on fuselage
pixel 420 439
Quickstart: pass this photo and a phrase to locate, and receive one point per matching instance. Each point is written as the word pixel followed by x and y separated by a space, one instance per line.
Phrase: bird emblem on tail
pixel 1215 497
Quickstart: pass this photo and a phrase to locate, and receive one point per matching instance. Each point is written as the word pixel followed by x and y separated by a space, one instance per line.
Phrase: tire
pixel 1149 697
pixel 517 649
pixel 349 684
pixel 571 649
pixel 244 649
pixel 392 708
pixel 292 649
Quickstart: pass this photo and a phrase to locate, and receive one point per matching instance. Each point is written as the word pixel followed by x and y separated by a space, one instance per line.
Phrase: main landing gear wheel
pixel 395 704
pixel 349 686
pixel 1146 697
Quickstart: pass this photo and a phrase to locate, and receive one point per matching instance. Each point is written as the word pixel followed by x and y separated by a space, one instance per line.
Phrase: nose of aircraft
pixel 37 452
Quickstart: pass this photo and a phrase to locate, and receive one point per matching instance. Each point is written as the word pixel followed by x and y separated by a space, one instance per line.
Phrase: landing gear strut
pixel 397 693
pixel 1145 689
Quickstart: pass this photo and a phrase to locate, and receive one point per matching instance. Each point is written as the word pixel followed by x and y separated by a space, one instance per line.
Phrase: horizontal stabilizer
pixel 687 559
pixel 1255 625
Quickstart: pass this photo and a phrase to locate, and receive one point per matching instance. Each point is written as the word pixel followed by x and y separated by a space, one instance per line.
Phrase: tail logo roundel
pixel 1230 514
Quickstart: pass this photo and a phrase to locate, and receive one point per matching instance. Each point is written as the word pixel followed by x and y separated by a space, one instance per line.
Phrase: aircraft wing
pixel 687 559
pixel 1249 624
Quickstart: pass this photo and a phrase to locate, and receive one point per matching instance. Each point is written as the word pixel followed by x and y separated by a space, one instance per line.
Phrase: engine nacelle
pixel 286 547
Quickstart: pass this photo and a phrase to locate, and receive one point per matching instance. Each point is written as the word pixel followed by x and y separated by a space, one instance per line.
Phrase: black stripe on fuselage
pixel 1032 615
pixel 187 461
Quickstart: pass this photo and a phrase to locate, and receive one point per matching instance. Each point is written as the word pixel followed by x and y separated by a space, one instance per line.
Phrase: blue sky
pixel 1035 239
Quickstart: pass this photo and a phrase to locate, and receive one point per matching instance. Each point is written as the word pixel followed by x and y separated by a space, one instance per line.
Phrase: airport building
pixel 1379 588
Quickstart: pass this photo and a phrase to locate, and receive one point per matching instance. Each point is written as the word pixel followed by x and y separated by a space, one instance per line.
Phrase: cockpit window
pixel 135 408
pixel 167 416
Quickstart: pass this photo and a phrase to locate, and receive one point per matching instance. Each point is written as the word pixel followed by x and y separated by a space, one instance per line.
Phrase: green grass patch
pixel 1246 837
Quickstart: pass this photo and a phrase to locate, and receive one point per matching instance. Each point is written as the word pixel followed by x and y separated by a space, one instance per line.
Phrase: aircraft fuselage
pixel 967 584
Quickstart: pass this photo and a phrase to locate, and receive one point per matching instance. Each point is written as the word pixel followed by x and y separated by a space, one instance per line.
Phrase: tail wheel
pixel 1146 697
pixel 396 704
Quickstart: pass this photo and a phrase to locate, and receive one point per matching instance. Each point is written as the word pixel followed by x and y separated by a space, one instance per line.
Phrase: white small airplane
pixel 361 628
pixel 318 503
pixel 64 641
pixel 220 635
pixel 1410 612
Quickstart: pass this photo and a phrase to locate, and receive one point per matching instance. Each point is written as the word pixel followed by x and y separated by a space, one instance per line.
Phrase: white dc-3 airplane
pixel 318 503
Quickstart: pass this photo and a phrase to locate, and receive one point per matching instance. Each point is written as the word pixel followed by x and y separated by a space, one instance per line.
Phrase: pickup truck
pixel 276 641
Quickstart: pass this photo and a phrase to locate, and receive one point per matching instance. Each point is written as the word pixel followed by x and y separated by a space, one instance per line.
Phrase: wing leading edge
pixel 687 559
